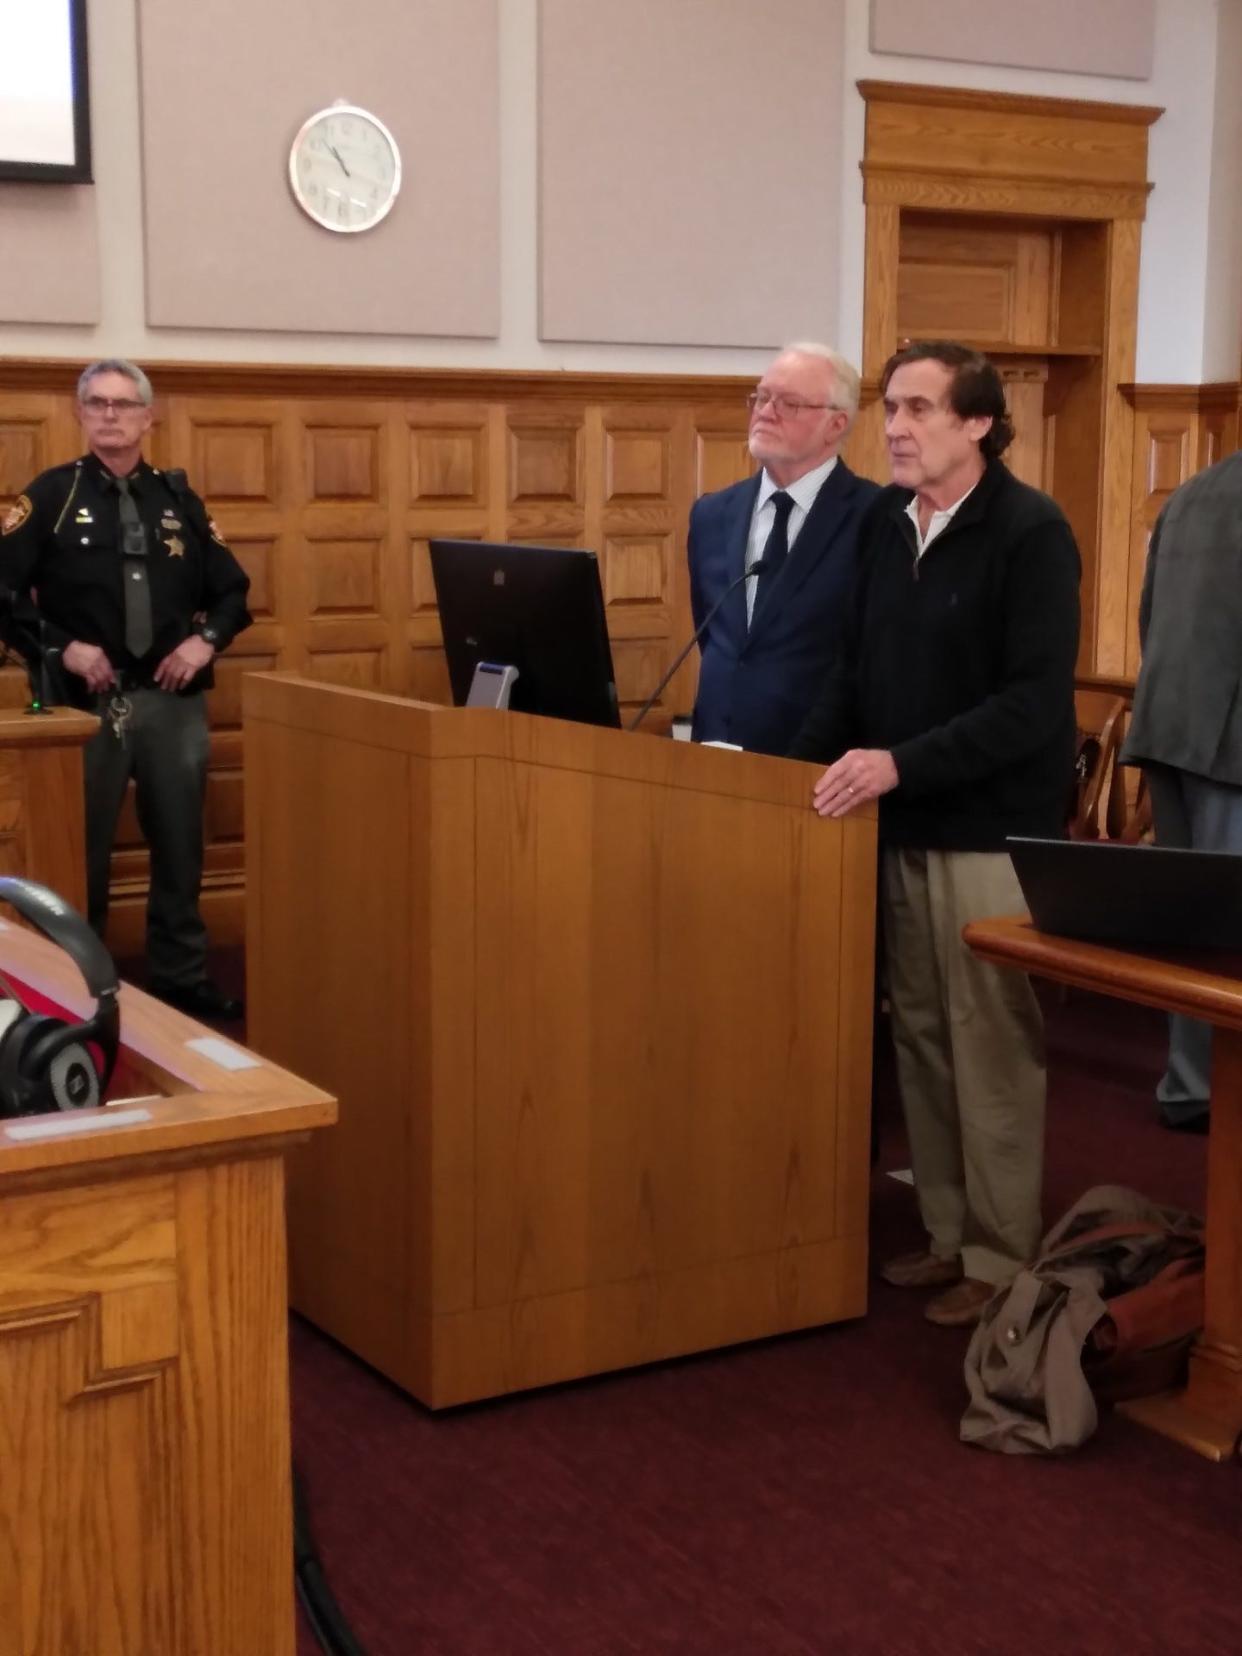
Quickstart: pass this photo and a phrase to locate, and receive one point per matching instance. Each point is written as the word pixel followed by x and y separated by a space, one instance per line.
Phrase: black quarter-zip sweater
pixel 961 664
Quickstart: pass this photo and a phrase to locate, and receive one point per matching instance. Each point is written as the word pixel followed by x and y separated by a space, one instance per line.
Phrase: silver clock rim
pixel 343 107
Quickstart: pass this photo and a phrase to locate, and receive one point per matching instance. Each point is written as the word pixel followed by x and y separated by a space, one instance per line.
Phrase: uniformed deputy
pixel 125 580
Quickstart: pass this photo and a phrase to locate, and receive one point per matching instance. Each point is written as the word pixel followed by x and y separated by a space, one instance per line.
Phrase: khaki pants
pixel 970 1059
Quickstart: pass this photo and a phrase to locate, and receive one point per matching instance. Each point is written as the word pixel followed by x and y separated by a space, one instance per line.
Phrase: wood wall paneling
pixel 991 282
pixel 454 458
pixel 37 430
pixel 1220 409
pixel 1116 598
pixel 1177 430
pixel 961 150
pixel 259 556
pixel 23 445
pixel 545 459
pixel 1030 455
pixel 328 487
pixel 1072 404
pixel 449 465
pixel 235 461
pixel 721 456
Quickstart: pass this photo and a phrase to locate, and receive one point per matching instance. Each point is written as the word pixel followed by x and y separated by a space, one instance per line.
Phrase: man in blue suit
pixel 768 648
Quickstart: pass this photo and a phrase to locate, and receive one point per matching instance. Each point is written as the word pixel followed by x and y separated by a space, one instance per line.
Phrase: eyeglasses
pixel 785 407
pixel 120 405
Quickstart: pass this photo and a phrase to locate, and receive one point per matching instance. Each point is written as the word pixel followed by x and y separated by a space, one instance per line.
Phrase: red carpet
pixel 804 1495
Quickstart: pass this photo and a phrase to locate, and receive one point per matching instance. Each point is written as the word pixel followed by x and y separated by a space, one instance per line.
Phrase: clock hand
pixel 337 153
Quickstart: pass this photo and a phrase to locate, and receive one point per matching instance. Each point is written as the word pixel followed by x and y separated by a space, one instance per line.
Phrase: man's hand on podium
pixel 860 775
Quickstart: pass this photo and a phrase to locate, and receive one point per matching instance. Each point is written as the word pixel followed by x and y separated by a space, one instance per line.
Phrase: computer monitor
pixel 539 609
pixel 45 122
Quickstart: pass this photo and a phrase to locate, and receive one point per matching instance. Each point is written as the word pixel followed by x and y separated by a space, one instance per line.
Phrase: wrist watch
pixel 209 635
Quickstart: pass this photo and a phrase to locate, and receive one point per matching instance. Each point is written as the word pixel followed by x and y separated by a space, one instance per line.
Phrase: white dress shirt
pixel 938 519
pixel 803 494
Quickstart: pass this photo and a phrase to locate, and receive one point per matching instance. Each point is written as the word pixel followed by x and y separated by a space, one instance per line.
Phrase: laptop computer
pixel 1146 896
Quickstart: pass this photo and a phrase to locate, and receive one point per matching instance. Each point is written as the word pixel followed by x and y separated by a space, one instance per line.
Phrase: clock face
pixel 345 168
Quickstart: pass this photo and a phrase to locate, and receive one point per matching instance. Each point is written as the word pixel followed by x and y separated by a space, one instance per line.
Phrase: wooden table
pixel 1207 1414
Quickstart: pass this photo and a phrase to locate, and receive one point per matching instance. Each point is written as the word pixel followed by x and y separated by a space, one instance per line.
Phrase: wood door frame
pixel 1067 160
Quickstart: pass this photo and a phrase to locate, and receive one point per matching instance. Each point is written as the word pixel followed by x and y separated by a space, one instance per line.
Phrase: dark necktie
pixel 138 628
pixel 775 549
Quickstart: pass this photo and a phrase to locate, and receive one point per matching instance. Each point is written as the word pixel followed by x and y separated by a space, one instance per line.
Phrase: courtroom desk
pixel 145 1501
pixel 1207 1414
pixel 42 835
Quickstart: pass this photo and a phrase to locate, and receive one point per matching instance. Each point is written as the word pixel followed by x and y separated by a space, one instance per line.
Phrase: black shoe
pixel 200 1000
pixel 1187 1124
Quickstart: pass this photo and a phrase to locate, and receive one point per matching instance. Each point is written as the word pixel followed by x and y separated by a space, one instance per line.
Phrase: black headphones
pixel 45 1063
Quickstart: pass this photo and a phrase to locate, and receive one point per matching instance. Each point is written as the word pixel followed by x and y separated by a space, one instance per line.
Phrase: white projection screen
pixel 44 102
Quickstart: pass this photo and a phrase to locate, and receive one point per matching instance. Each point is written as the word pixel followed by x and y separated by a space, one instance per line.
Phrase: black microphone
pixel 756 568
pixel 16 634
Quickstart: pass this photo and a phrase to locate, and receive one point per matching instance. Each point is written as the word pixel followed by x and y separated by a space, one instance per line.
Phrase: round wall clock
pixel 345 168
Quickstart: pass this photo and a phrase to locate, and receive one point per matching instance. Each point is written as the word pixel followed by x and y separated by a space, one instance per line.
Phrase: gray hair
pixel 845 375
pixel 117 365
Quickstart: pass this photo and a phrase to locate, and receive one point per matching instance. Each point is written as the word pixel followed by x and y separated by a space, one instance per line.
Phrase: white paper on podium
pixel 223 1053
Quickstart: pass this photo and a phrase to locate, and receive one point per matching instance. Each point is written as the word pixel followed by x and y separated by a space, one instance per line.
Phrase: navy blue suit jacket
pixel 756 685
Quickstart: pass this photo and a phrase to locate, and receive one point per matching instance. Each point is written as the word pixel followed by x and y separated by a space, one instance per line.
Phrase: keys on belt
pixel 118 711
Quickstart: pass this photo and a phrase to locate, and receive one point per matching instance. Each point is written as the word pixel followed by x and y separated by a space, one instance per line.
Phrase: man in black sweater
pixel 954 707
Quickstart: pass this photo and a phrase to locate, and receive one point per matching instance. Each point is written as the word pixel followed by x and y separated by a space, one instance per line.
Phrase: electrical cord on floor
pixel 329 1626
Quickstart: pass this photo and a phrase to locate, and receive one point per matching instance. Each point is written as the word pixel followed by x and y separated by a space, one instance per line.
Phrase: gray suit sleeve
pixel 1149 581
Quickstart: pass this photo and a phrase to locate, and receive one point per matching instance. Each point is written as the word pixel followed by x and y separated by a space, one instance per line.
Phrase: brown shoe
pixel 921 1270
pixel 960 1306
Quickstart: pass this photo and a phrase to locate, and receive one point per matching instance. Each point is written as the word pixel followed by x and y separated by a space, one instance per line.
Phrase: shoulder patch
pixel 16 515
pixel 215 532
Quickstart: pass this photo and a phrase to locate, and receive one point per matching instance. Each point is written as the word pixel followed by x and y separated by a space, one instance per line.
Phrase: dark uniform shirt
pixel 60 553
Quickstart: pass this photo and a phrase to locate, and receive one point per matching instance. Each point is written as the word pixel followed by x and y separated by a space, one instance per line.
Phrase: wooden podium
pixel 598 1010
pixel 144 1394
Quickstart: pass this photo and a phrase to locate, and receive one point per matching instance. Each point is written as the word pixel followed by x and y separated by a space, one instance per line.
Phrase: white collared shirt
pixel 939 520
pixel 803 494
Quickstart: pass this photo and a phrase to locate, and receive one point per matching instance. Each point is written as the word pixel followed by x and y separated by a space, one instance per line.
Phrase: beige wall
pixel 1222 304
pixel 689 168
pixel 1098 37
pixel 1190 323
pixel 226 245
pixel 49 253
